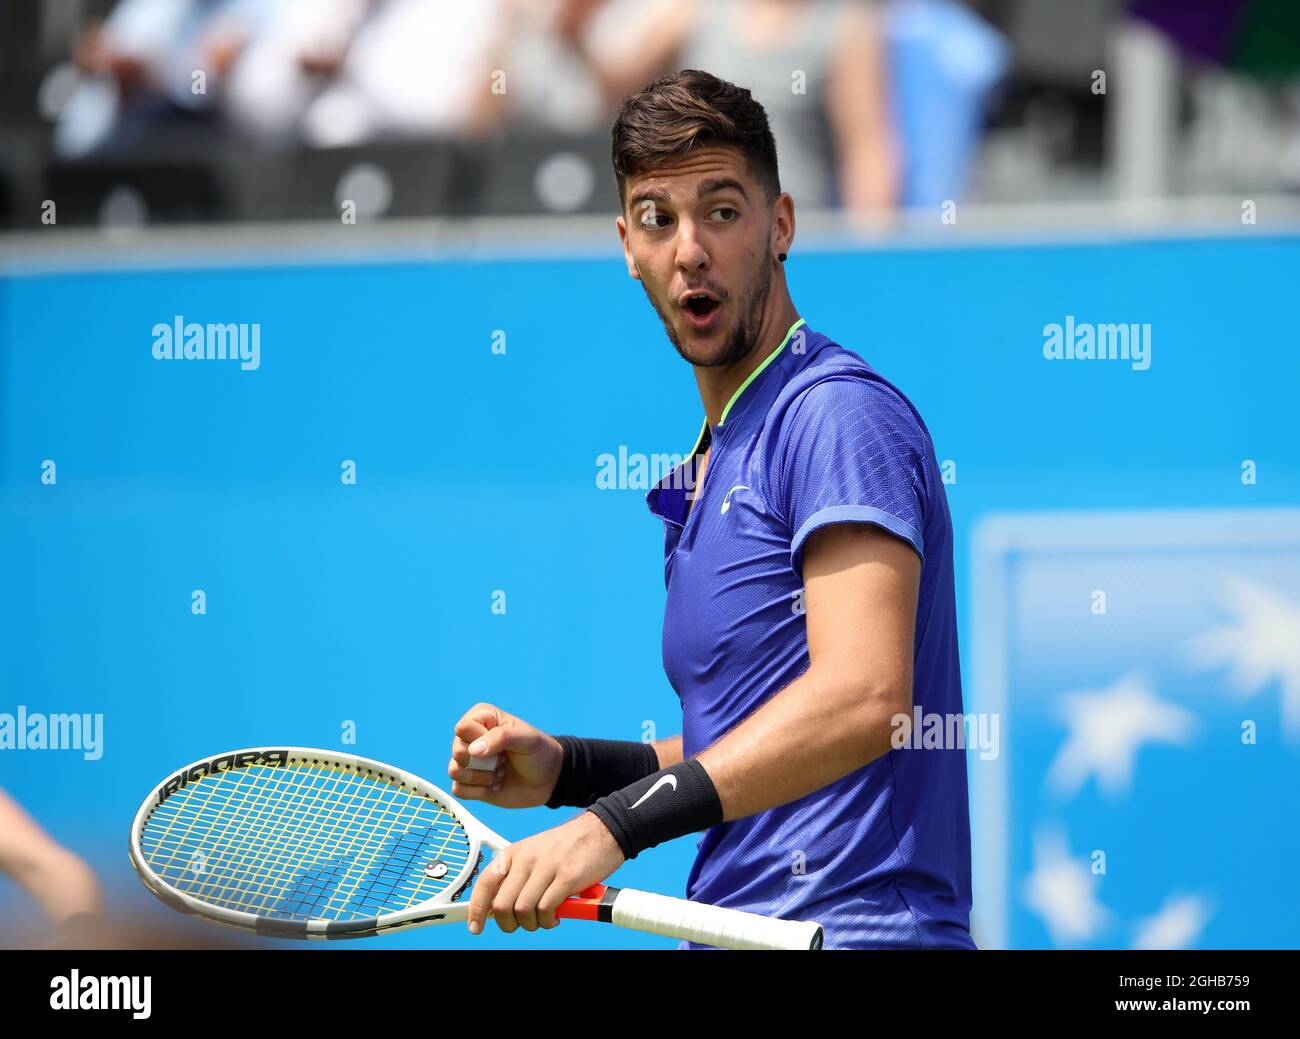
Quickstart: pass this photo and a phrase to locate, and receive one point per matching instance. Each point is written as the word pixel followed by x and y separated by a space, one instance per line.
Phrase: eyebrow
pixel 710 187
pixel 657 195
pixel 703 189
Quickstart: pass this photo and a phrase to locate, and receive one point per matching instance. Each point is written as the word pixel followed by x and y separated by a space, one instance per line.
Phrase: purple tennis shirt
pixel 881 857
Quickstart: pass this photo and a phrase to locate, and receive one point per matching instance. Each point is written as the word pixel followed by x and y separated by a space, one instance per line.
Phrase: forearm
pixel 669 751
pixel 819 728
pixel 60 883
pixel 870 179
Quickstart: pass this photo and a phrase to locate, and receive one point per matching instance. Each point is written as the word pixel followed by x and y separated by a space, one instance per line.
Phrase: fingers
pixel 524 907
pixel 490 743
pixel 516 894
pixel 472 784
pixel 554 896
pixel 481 736
pixel 501 892
pixel 474 775
pixel 485 891
pixel 473 724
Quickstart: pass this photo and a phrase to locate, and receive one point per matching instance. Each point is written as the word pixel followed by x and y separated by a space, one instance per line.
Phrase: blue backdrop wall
pixel 330 605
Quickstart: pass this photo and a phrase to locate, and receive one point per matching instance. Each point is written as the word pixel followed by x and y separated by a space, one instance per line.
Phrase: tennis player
pixel 810 604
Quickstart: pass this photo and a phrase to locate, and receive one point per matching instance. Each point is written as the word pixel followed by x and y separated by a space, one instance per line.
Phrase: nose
pixel 691 254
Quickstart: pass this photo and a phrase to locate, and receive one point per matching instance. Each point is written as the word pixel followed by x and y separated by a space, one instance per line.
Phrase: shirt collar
pixel 753 376
pixel 667 498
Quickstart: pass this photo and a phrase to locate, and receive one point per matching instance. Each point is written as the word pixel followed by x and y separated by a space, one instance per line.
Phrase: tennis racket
pixel 297 843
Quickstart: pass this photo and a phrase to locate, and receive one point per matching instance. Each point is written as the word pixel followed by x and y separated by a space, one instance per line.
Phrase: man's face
pixel 698 236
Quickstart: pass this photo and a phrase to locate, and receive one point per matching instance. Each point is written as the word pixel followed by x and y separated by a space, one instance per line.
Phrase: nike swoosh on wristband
pixel 669 780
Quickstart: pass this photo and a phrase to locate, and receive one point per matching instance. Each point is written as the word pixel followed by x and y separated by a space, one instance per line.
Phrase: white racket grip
pixel 710 925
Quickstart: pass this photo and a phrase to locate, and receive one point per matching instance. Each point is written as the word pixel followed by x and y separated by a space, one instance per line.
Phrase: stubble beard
pixel 743 338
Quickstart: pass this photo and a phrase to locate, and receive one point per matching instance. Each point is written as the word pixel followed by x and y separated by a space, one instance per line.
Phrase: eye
pixel 653 219
pixel 725 214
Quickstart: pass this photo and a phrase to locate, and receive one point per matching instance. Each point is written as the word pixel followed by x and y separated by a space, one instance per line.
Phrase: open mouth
pixel 701 307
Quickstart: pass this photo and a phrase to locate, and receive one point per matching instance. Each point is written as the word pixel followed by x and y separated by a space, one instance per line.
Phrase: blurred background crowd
pixel 182 110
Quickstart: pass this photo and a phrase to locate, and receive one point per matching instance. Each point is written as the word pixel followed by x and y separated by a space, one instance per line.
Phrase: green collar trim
pixel 754 375
pixel 704 428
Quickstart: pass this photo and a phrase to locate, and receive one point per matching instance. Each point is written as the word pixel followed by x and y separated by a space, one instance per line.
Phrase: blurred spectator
pixel 816 65
pixel 148 61
pixel 292 60
pixel 875 104
pixel 341 72
pixel 944 62
pixel 541 80
pixel 61 883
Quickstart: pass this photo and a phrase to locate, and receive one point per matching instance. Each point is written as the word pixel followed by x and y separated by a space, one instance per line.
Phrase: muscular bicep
pixel 860 590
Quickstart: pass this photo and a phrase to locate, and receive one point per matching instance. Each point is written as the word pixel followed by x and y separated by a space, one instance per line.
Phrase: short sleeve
pixel 848 449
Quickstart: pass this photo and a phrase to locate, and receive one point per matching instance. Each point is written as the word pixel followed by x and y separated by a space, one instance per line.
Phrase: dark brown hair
pixel 687 110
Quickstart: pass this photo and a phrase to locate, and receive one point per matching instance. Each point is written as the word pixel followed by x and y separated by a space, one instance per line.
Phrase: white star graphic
pixel 1107 729
pixel 1176 925
pixel 1261 648
pixel 1062 891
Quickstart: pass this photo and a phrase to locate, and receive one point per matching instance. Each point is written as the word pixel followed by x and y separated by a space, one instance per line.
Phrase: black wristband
pixel 592 768
pixel 671 803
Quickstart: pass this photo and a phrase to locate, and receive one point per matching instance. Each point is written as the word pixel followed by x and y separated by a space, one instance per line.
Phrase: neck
pixel 718 385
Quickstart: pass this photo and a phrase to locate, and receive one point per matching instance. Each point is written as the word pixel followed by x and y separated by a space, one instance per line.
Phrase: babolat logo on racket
pixel 221 764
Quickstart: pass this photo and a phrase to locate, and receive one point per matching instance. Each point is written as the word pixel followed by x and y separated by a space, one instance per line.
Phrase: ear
pixel 782 224
pixel 633 271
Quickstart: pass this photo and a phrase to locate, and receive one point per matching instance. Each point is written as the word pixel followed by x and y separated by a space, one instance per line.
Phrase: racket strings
pixel 372 860
pixel 305 841
pixel 340 872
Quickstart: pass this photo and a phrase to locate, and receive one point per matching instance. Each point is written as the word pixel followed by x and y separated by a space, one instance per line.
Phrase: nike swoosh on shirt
pixel 666 781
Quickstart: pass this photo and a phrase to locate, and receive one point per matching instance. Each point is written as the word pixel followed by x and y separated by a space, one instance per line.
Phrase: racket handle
pixel 708 925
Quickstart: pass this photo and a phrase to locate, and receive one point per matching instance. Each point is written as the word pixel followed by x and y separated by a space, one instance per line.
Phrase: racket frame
pixel 450 905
